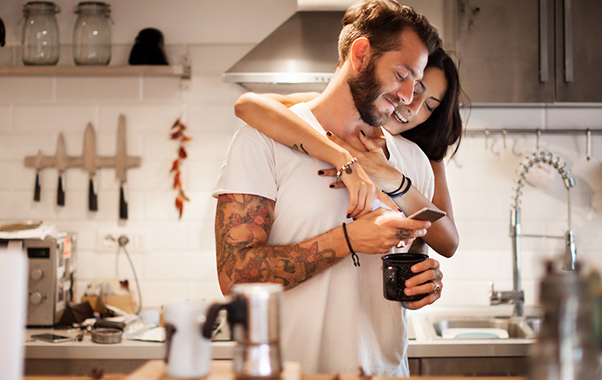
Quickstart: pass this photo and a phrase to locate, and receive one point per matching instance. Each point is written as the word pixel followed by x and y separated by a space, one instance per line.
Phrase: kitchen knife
pixel 61 164
pixel 89 163
pixel 121 167
pixel 39 165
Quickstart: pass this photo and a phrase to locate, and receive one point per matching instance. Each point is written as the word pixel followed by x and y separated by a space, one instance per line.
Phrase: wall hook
pixel 517 154
pixel 487 133
pixel 588 144
pixel 493 144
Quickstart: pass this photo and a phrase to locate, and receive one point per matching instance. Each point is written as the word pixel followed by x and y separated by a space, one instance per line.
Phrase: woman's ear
pixel 359 54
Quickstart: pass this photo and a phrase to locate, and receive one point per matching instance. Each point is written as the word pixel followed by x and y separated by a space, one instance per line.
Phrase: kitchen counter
pixel 221 370
pixel 427 354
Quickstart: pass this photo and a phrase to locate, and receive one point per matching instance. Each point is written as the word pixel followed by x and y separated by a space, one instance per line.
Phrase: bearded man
pixel 278 221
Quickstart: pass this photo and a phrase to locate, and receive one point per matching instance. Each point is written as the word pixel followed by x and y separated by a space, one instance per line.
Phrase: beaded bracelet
pixel 346 168
pixel 354 256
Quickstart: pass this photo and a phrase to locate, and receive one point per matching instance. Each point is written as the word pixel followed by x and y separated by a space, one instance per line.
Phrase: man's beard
pixel 365 90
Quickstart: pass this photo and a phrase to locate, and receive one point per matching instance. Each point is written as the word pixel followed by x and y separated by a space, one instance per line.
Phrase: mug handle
pixel 237 313
pixel 170 330
pixel 212 313
pixel 2 34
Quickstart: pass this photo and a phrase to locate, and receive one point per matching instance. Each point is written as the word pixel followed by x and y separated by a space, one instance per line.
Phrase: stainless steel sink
pixel 517 329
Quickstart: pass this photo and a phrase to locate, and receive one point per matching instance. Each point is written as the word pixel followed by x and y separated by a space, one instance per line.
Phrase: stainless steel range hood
pixel 300 55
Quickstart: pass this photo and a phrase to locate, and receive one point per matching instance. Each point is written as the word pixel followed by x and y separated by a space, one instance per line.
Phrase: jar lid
pixel 97 3
pixel 93 4
pixel 40 5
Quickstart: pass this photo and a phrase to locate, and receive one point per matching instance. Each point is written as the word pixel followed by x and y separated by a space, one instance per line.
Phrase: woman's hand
pixel 362 190
pixel 427 281
pixel 373 161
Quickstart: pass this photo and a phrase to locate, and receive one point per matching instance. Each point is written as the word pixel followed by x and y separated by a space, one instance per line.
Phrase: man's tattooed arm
pixel 242 226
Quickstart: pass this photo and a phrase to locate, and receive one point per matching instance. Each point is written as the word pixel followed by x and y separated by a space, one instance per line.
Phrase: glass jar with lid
pixel 40 33
pixel 92 34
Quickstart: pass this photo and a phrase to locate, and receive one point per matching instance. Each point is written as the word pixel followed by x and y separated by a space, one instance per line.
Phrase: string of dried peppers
pixel 178 133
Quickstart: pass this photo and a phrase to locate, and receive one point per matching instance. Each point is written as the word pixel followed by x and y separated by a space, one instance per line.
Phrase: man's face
pixel 389 80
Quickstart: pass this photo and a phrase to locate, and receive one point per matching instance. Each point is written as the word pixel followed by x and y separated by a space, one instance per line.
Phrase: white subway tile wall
pixel 175 258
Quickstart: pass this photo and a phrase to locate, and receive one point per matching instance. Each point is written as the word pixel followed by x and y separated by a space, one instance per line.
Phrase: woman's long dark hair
pixel 443 129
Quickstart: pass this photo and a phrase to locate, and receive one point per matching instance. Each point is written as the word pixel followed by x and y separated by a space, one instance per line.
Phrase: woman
pixel 432 121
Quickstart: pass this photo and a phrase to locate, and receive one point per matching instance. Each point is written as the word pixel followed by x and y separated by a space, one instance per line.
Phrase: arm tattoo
pixel 300 148
pixel 242 226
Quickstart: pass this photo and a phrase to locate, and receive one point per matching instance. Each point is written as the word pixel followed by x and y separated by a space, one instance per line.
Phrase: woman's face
pixel 427 97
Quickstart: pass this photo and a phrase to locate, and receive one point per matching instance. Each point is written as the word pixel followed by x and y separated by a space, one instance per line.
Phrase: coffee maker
pixel 51 277
pixel 254 316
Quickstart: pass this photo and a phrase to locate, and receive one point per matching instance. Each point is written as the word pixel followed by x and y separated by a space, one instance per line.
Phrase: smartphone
pixel 51 338
pixel 427 213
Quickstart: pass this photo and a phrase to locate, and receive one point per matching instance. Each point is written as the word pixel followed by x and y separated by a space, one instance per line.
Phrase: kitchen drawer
pixel 479 366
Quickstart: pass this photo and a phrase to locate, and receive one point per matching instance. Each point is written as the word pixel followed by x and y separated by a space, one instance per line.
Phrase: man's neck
pixel 335 111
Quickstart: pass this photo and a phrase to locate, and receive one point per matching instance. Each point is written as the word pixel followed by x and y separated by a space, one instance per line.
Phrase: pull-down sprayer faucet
pixel 516 295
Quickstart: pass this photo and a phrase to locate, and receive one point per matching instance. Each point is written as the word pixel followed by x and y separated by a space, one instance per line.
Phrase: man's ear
pixel 360 53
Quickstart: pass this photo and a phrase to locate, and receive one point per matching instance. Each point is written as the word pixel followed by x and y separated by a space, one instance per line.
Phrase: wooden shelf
pixel 182 71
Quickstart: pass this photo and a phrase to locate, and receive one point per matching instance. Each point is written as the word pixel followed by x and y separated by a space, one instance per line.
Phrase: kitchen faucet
pixel 516 296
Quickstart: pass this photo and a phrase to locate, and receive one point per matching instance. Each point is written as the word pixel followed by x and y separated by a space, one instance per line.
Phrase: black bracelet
pixel 402 192
pixel 392 193
pixel 354 256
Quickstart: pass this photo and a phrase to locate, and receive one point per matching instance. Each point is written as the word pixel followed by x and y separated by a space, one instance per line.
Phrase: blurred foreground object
pixel 565 349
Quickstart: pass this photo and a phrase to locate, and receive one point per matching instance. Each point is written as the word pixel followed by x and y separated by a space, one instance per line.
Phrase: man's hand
pixel 427 281
pixel 381 229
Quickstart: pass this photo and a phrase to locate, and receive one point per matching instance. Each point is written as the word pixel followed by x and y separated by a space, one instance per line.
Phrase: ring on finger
pixel 437 288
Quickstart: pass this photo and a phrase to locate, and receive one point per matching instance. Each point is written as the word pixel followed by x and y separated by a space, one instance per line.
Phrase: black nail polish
pixel 320 172
pixel 331 186
pixel 348 216
pixel 328 133
pixel 362 132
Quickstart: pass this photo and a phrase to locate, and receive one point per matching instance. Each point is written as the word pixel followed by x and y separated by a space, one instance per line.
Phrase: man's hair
pixel 381 22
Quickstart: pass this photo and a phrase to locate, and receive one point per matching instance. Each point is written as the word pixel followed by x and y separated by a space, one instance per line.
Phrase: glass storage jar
pixel 92 34
pixel 40 33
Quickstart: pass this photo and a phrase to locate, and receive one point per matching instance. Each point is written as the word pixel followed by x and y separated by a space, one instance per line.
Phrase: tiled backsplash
pixel 176 258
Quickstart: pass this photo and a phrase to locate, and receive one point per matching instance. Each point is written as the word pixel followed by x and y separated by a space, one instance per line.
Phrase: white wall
pixel 175 258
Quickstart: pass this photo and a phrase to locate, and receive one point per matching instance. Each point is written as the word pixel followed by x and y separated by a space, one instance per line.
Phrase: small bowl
pixel 106 336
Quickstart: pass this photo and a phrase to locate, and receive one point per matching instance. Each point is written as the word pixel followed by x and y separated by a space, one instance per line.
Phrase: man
pixel 278 221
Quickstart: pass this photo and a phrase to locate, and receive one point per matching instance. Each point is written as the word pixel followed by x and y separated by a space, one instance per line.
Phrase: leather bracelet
pixel 392 193
pixel 354 256
pixel 402 192
pixel 346 168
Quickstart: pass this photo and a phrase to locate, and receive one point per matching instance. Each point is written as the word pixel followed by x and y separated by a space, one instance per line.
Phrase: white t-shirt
pixel 338 320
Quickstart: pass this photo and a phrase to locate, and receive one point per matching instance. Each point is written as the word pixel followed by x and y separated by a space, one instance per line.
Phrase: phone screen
pixel 52 338
pixel 430 214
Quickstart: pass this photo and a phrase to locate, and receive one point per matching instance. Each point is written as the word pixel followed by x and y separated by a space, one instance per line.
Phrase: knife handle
pixel 37 189
pixel 123 205
pixel 60 193
pixel 92 196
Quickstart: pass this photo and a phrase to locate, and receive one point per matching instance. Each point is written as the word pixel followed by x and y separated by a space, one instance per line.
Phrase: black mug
pixel 396 270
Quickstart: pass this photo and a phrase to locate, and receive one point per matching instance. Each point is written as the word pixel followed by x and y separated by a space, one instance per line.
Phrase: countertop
pixel 420 345
pixel 221 370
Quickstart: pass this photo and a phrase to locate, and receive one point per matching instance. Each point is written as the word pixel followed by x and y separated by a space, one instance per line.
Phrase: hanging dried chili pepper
pixel 178 133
